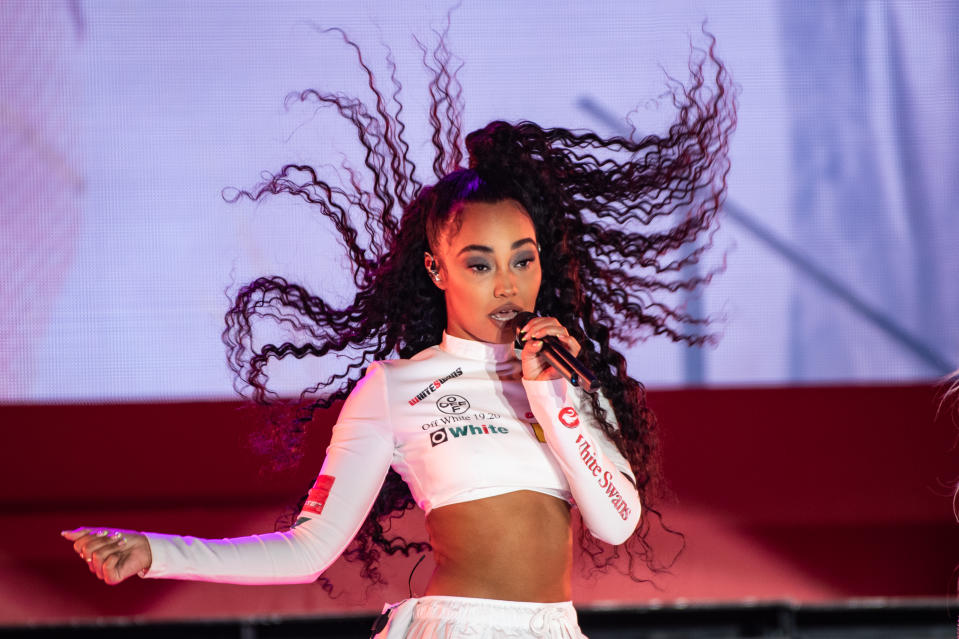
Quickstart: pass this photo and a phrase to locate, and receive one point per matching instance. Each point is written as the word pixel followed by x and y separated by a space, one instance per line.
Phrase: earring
pixel 433 268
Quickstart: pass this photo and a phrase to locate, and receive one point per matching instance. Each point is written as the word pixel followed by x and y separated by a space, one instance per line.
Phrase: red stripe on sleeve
pixel 316 498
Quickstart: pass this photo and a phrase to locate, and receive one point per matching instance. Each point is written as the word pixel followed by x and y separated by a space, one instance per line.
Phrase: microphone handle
pixel 568 366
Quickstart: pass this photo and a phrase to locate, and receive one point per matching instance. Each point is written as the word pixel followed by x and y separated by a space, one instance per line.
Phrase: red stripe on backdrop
pixel 811 494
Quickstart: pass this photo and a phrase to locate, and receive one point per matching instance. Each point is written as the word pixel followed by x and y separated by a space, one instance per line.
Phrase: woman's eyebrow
pixel 487 249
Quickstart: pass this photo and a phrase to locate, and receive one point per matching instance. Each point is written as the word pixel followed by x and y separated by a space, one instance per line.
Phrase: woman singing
pixel 487 438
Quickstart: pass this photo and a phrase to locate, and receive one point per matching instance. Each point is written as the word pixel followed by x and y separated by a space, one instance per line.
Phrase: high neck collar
pixel 473 349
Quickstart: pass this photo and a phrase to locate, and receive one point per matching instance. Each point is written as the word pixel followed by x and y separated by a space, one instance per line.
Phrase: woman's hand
pixel 535 365
pixel 112 554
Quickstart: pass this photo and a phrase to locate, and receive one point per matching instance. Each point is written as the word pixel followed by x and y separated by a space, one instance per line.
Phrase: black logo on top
pixel 437 437
pixel 442 435
pixel 452 404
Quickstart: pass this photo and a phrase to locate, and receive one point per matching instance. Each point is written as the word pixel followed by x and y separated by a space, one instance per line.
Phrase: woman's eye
pixel 524 263
pixel 478 268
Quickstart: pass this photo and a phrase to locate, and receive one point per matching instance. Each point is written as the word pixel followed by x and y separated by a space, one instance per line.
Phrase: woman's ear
pixel 433 268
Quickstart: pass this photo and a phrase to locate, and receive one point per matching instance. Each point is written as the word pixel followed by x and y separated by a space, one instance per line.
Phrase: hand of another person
pixel 112 554
pixel 535 365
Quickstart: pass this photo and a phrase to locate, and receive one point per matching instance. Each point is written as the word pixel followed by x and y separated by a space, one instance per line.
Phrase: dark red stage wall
pixel 809 494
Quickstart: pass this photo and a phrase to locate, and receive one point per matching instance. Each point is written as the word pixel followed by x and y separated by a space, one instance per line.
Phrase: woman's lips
pixel 504 316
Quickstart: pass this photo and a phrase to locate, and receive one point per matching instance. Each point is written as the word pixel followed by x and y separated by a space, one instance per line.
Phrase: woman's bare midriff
pixel 516 546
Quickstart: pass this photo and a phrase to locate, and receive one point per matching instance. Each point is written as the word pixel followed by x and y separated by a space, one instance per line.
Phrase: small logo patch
pixel 568 417
pixel 538 431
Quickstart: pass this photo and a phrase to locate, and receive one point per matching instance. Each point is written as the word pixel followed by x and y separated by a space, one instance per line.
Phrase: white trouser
pixel 442 617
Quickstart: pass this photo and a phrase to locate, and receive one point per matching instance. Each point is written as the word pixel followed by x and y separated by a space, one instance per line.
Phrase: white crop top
pixel 458 423
pixel 462 426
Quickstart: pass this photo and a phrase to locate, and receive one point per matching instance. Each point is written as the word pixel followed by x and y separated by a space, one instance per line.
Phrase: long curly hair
pixel 595 202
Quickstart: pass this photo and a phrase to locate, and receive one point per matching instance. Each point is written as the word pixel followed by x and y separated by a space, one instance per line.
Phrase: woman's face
pixel 489 270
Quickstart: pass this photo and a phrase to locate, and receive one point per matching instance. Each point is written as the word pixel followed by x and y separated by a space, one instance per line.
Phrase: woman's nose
pixel 505 285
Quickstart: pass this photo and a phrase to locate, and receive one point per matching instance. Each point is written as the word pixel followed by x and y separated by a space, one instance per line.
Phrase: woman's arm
pixel 599 476
pixel 595 469
pixel 359 455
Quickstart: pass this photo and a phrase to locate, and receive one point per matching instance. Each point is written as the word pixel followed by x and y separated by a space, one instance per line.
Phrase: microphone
pixel 559 358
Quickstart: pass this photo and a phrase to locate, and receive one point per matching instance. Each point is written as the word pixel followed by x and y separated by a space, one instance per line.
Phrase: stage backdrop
pixel 122 123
